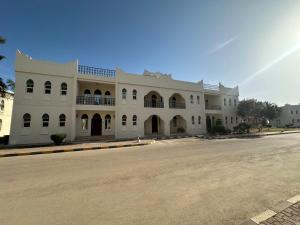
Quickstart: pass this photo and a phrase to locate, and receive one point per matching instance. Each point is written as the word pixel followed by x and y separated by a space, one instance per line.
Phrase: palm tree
pixel 3 88
pixel 11 84
pixel 2 41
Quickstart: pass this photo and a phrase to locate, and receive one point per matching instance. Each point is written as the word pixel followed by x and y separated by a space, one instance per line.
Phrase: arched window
pixel 2 105
pixel 192 99
pixel 107 93
pixel 124 118
pixel 231 120
pixel 45 119
pixel 174 121
pixel 198 99
pixel 107 122
pixel 26 120
pixel 0 124
pixel 62 120
pixel 97 92
pixel 225 102
pixel 84 122
pixel 134 92
pixel 63 89
pixel 199 119
pixel 229 102
pixel 124 93
pixel 87 92
pixel 134 120
pixel 226 120
pixel 193 120
pixel 234 102
pixel 29 86
pixel 47 87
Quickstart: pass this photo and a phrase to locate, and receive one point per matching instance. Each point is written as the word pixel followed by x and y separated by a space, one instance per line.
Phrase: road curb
pixel 71 150
pixel 273 211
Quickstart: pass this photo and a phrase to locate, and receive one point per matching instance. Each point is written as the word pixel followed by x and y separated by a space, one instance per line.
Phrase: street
pixel 178 182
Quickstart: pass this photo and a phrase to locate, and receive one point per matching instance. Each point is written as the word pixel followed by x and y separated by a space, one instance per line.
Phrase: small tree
pixel 2 41
pixel 11 84
pixel 3 88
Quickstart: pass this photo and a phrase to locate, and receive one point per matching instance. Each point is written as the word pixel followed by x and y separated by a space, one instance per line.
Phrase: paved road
pixel 173 182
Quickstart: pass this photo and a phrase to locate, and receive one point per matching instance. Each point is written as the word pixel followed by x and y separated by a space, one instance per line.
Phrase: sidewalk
pixel 69 148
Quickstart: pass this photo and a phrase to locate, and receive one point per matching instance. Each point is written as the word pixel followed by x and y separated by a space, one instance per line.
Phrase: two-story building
pixel 6 106
pixel 84 101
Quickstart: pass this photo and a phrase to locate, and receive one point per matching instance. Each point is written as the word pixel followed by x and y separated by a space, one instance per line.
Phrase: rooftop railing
pixel 88 70
pixel 211 87
pixel 95 100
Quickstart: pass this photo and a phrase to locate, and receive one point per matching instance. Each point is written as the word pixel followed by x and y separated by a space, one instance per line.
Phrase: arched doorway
pixel 154 124
pixel 177 125
pixel 96 127
pixel 208 123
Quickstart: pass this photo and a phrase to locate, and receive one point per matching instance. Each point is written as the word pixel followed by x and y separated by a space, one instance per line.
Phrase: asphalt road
pixel 173 182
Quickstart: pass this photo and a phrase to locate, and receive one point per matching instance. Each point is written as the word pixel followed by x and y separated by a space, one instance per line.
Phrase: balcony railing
pixel 88 70
pixel 95 100
pixel 153 104
pixel 176 105
pixel 213 107
pixel 211 87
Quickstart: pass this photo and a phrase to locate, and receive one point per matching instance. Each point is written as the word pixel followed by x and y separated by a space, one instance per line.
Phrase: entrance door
pixel 154 124
pixel 96 128
pixel 208 123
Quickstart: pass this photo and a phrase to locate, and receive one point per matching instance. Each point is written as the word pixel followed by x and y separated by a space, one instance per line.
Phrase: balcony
pixel 213 107
pixel 88 70
pixel 95 100
pixel 153 104
pixel 176 105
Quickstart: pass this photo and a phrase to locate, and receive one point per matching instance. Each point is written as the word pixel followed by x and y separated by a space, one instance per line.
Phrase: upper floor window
pixel 292 112
pixel 229 102
pixel 29 86
pixel 226 120
pixel 62 120
pixel 199 119
pixel 63 89
pixel 134 92
pixel 87 92
pixel 296 111
pixel 192 99
pixel 231 120
pixel 107 122
pixel 84 122
pixel 236 120
pixel 26 120
pixel 45 119
pixel 124 119
pixel 134 120
pixel 193 120
pixel 2 105
pixel 107 93
pixel 234 102
pixel 124 93
pixel 47 87
pixel 225 102
pixel 198 99
pixel 97 92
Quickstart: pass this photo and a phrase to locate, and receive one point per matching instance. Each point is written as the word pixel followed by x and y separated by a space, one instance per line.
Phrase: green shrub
pixel 242 128
pixel 220 129
pixel 218 122
pixel 58 138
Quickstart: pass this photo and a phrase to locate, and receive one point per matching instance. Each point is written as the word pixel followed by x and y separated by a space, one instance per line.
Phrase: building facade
pixel 6 106
pixel 84 101
pixel 289 116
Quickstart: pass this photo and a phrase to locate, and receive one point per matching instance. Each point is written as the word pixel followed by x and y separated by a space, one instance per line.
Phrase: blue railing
pixel 88 70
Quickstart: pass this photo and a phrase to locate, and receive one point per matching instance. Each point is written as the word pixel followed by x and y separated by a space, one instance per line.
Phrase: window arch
pixel 107 122
pixel 124 93
pixel 225 102
pixel 229 102
pixel 63 88
pixel 107 93
pixel 84 122
pixel 124 119
pixel 134 93
pixel 26 120
pixel 2 105
pixel 199 119
pixel 193 120
pixel 134 120
pixel 47 86
pixel 87 92
pixel 62 120
pixel 97 92
pixel 198 99
pixel 192 99
pixel 234 102
pixel 45 120
pixel 29 86
pixel 174 121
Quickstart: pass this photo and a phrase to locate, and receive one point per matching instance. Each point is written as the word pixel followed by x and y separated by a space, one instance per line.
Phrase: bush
pixel 242 128
pixel 4 140
pixel 180 130
pixel 58 138
pixel 219 129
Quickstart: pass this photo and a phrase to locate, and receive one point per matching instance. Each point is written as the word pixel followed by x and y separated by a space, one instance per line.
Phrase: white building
pixel 84 101
pixel 289 116
pixel 6 105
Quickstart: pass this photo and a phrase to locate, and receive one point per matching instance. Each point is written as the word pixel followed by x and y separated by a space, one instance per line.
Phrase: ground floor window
pixel 199 119
pixel 45 119
pixel 193 120
pixel 84 122
pixel 62 120
pixel 134 120
pixel 107 122
pixel 124 118
pixel 26 120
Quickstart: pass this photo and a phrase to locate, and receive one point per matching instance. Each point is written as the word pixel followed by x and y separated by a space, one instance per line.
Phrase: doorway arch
pixel 96 127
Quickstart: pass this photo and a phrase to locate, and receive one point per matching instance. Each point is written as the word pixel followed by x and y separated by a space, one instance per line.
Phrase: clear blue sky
pixel 254 43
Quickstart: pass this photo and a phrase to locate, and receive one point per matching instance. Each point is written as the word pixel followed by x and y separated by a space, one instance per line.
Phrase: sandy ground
pixel 174 182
